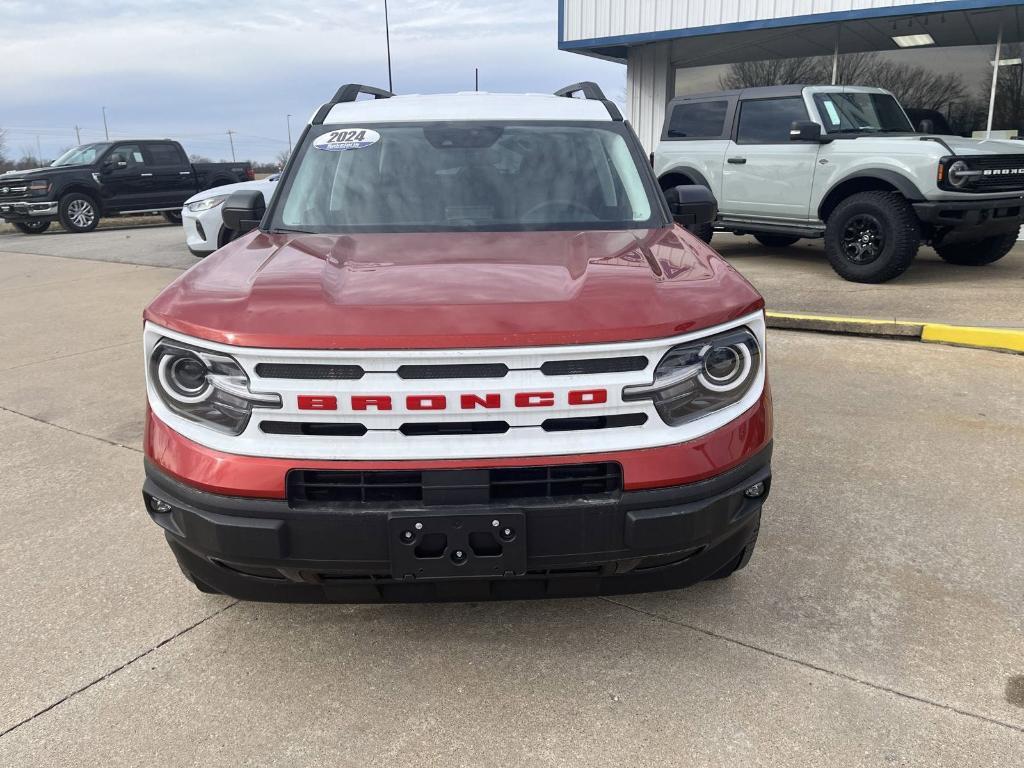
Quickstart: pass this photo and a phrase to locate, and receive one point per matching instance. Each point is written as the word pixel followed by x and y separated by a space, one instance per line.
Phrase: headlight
pixel 700 377
pixel 207 204
pixel 39 187
pixel 959 174
pixel 206 387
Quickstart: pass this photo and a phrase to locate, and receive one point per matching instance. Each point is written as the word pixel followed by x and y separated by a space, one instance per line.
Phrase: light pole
pixel 387 43
pixel 78 135
pixel 289 119
pixel 105 131
pixel 231 138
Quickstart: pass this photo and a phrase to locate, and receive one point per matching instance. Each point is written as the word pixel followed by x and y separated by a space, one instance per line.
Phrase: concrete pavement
pixel 879 622
pixel 800 279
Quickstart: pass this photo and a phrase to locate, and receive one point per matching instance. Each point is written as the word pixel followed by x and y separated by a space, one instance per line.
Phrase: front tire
pixel 769 240
pixel 31 227
pixel 872 237
pixel 704 231
pixel 78 212
pixel 979 252
pixel 173 217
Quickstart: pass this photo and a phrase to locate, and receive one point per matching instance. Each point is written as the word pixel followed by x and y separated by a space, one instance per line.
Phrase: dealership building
pixel 955 62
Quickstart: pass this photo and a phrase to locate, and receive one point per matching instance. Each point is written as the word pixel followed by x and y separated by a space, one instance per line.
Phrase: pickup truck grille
pixel 1001 173
pixel 13 189
pixel 313 488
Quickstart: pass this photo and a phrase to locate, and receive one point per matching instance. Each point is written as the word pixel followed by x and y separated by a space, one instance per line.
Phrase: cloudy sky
pixel 192 69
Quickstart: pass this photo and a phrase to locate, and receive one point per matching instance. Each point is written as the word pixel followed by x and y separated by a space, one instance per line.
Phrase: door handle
pixel 184 173
pixel 737 160
pixel 145 174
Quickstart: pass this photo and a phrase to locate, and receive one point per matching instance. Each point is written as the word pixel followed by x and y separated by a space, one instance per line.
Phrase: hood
pixel 31 173
pixel 959 145
pixel 454 290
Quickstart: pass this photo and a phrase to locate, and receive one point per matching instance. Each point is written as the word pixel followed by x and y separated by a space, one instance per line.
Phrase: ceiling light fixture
pixel 913 41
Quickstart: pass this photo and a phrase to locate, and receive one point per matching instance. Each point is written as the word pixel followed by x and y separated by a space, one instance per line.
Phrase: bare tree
pixel 914 86
pixel 754 74
pixel 194 158
pixel 3 147
pixel 1009 108
pixel 282 157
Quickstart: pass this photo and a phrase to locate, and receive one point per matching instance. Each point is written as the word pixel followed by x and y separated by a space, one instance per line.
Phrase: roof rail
pixel 349 92
pixel 591 90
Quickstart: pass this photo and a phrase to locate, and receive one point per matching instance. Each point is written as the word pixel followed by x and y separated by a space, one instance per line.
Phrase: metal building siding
pixel 589 19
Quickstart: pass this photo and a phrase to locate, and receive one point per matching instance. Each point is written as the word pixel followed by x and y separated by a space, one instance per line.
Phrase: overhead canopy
pixel 949 23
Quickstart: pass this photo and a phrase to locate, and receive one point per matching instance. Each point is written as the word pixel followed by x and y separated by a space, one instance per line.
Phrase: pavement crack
pixel 114 671
pixel 36 419
pixel 70 354
pixel 818 668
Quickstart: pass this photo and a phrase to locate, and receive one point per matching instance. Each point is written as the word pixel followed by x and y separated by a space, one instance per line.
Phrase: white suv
pixel 844 163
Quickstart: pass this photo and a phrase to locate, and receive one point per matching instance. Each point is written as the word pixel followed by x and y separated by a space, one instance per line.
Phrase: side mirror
pixel 243 211
pixel 805 130
pixel 113 165
pixel 926 126
pixel 691 205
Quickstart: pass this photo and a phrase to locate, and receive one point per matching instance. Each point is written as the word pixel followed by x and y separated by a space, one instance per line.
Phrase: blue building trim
pixel 616 46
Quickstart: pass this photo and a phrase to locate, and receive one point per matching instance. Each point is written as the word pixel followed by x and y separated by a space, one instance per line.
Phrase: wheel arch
pixel 84 189
pixel 876 180
pixel 682 174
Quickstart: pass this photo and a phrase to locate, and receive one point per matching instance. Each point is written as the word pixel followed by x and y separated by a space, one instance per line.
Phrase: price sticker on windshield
pixel 346 139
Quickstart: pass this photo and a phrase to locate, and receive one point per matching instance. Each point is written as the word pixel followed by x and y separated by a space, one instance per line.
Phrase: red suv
pixel 469 351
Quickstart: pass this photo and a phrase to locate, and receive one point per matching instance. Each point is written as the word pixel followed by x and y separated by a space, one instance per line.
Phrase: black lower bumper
pixel 635 541
pixel 973 219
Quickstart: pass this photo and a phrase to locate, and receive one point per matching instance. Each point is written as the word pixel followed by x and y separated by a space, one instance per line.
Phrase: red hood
pixel 438 290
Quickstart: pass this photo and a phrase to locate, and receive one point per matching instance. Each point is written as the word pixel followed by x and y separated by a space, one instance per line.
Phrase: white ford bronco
pixel 844 163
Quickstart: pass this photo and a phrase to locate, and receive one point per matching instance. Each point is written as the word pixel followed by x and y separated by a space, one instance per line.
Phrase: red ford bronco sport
pixel 468 351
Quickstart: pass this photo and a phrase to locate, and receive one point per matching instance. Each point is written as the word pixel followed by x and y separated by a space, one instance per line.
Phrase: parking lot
pixel 880 621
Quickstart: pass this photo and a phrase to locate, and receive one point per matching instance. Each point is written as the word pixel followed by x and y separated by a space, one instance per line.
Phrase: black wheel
pixel 173 217
pixel 872 237
pixel 980 252
pixel 769 240
pixel 78 212
pixel 31 227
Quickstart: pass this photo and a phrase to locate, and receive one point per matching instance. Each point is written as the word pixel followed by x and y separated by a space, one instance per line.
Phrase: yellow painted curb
pixel 999 339
pixel 1006 339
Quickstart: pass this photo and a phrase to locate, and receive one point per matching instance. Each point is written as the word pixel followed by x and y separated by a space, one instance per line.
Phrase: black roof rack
pixel 591 90
pixel 349 92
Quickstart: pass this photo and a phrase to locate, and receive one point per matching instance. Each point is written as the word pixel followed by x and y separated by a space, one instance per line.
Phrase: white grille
pixel 384 439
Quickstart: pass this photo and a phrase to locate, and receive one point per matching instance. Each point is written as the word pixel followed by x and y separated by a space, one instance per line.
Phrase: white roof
pixel 471 105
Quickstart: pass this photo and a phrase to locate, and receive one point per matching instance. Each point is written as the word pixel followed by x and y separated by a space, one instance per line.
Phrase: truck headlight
pixel 209 388
pixel 204 205
pixel 959 174
pixel 39 187
pixel 700 377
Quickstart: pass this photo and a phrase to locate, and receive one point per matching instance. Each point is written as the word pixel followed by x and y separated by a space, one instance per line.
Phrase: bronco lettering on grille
pixel 466 402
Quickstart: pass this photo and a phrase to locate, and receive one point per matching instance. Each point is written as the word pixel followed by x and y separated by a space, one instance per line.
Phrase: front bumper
pixel 202 230
pixel 640 540
pixel 973 219
pixel 27 211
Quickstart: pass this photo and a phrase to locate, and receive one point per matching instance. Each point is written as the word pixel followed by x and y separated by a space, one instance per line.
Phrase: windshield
pixel 862 113
pixel 466 176
pixel 83 155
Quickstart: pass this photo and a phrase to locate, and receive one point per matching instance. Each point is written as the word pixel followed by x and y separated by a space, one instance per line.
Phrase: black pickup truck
pixel 110 178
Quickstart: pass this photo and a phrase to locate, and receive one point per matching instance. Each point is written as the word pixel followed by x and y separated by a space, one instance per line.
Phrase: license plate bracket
pixel 457 546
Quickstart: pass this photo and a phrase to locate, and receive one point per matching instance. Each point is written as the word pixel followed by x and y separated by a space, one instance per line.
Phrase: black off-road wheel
pixel 78 212
pixel 769 240
pixel 31 227
pixel 872 237
pixel 980 252
pixel 173 217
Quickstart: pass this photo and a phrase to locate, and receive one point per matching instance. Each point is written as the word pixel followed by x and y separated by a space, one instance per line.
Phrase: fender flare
pixel 903 185
pixel 693 173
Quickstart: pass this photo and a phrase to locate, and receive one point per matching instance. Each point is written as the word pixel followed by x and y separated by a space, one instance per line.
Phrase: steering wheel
pixel 565 204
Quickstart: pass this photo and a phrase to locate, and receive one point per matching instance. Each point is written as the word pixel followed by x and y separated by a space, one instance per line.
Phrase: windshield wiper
pixel 286 230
